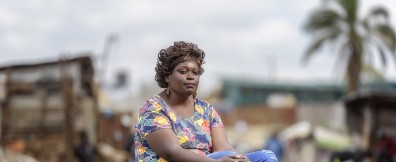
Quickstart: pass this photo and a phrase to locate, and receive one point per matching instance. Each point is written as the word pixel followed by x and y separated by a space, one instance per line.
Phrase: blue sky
pixel 257 39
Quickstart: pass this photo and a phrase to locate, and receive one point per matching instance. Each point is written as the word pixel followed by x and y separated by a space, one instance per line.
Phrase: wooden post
pixel 43 103
pixel 5 122
pixel 367 125
pixel 97 113
pixel 68 110
pixel 375 111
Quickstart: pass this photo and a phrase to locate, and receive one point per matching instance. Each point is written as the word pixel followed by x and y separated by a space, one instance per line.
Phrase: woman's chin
pixel 190 93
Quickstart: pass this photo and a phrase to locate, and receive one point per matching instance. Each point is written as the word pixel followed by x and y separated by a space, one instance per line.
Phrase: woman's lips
pixel 190 85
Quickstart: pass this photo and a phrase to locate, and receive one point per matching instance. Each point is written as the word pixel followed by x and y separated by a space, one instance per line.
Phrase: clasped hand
pixel 234 158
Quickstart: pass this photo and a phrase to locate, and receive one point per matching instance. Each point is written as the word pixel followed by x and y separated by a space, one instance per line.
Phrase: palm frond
pixel 379 11
pixel 366 25
pixel 350 7
pixel 387 36
pixel 376 13
pixel 318 43
pixel 371 70
pixel 322 19
pixel 383 56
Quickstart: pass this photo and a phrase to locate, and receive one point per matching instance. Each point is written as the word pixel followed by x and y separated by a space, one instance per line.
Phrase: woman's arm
pixel 220 140
pixel 220 143
pixel 164 142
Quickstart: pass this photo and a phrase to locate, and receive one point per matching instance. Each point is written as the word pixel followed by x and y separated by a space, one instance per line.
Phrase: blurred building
pixel 250 92
pixel 317 103
pixel 116 111
pixel 371 115
pixel 283 102
pixel 267 106
pixel 47 103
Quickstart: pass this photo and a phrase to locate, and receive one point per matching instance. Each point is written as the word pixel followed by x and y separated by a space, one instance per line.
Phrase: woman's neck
pixel 176 99
pixel 183 105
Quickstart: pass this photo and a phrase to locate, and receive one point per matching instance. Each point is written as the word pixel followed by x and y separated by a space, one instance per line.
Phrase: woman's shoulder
pixel 203 103
pixel 152 104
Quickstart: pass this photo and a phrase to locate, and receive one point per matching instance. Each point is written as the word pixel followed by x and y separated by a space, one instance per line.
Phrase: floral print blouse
pixel 193 133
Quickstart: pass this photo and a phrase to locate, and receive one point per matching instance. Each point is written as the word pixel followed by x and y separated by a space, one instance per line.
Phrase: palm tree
pixel 355 40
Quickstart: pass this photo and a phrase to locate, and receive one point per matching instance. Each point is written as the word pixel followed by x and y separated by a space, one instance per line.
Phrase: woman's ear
pixel 167 79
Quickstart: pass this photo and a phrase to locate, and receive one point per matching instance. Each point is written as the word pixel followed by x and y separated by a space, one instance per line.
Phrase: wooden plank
pixel 68 110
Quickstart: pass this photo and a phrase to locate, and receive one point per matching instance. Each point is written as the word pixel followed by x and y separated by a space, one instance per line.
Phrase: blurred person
pixel 357 152
pixel 307 147
pixel 174 125
pixel 14 151
pixel 356 156
pixel 385 149
pixel 130 147
pixel 85 151
pixel 275 145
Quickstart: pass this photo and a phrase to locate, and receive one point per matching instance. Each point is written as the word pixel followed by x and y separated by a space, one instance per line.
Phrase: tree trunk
pixel 354 63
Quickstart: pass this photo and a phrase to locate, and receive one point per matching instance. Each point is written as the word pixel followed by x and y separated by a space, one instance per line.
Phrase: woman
pixel 176 126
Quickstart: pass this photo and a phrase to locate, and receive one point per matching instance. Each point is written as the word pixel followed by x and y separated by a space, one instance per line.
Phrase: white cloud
pixel 303 6
pixel 49 25
pixel 192 11
pixel 14 40
pixel 276 31
pixel 7 17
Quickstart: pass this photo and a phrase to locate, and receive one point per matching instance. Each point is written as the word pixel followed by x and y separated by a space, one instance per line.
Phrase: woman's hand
pixel 234 158
pixel 240 157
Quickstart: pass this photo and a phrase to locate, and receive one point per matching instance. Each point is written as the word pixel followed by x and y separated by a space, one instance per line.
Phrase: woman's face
pixel 184 79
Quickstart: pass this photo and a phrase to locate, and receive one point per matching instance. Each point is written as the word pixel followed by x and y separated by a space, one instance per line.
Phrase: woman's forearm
pixel 186 155
pixel 223 147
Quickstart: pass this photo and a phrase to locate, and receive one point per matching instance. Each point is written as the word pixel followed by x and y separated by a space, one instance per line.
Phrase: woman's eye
pixel 182 71
pixel 196 73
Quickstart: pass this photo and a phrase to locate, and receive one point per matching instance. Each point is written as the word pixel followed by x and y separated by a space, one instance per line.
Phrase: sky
pixel 250 39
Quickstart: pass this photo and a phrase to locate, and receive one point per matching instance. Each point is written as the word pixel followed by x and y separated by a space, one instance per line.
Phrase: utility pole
pixel 271 68
pixel 105 56
pixel 102 75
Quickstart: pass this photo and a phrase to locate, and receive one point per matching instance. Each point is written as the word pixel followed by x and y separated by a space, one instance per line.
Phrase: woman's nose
pixel 190 76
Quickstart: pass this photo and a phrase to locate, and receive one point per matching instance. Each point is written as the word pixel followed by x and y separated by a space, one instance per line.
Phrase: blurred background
pixel 311 80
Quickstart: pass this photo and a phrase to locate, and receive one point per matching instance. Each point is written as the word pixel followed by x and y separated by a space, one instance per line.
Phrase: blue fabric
pixel 257 156
pixel 276 146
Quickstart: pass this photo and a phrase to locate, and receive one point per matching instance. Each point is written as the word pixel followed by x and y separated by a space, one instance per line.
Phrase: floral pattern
pixel 192 133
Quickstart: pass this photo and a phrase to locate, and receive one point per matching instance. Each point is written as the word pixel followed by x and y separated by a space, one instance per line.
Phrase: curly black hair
pixel 170 57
